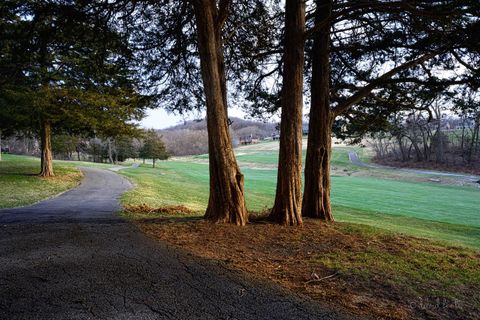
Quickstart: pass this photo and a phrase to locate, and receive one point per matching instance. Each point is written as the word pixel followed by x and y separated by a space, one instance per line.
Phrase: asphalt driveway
pixel 72 257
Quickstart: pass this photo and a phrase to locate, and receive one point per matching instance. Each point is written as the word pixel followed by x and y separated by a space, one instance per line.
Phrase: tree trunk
pixel 46 146
pixel 462 144
pixel 316 197
pixel 288 198
pixel 110 157
pixel 115 159
pixel 153 160
pixel 402 148
pixel 473 144
pixel 226 202
pixel 0 145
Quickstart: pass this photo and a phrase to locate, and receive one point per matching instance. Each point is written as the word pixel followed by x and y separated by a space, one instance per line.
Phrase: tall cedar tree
pixel 316 196
pixel 425 37
pixel 288 197
pixel 359 54
pixel 190 49
pixel 226 201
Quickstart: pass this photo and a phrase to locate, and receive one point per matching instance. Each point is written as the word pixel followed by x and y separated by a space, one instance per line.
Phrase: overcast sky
pixel 160 119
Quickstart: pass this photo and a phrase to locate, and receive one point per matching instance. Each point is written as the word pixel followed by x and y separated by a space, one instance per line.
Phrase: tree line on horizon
pixel 146 144
pixel 95 66
pixel 436 139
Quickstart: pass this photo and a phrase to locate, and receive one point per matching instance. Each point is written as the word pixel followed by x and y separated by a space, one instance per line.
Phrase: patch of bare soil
pixel 144 208
pixel 363 270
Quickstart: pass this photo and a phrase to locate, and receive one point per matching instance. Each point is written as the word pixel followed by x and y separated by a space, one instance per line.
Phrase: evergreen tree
pixel 362 48
pixel 288 197
pixel 72 71
pixel 153 147
pixel 190 50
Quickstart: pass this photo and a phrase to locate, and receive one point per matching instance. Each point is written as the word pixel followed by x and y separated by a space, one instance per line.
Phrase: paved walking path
pixel 71 257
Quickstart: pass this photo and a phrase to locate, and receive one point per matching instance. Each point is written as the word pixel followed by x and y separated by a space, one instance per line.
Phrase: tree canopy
pixel 66 68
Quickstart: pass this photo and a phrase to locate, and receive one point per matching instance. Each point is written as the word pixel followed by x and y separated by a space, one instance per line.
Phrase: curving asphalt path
pixel 71 257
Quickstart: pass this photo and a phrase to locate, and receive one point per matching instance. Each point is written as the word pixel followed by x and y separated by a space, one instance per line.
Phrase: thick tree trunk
pixel 46 146
pixel 226 203
pixel 153 163
pixel 316 197
pixel 288 199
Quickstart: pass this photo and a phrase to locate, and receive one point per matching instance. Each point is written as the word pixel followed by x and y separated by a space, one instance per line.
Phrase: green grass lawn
pixel 21 186
pixel 440 212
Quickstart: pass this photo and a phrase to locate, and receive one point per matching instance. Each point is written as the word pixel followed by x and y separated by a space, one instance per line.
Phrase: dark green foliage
pixel 65 145
pixel 428 47
pixel 153 147
pixel 67 64
pixel 165 42
pixel 125 148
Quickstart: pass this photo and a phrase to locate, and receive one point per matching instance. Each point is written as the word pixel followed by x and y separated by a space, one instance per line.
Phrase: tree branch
pixel 463 63
pixel 365 91
pixel 222 13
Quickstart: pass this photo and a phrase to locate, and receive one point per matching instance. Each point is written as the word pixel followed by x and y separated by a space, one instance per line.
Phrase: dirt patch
pixel 64 178
pixel 359 268
pixel 168 210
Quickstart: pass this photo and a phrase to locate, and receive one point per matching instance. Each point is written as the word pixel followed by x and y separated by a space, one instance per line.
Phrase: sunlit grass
pixel 20 184
pixel 440 212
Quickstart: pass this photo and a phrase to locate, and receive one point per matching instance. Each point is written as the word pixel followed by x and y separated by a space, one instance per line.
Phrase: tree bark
pixel 473 144
pixel 153 160
pixel 402 148
pixel 110 157
pixel 115 159
pixel 439 150
pixel 46 162
pixel 226 202
pixel 288 198
pixel 316 197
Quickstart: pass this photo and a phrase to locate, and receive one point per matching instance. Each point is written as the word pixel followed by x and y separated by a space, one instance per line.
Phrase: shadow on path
pixel 71 257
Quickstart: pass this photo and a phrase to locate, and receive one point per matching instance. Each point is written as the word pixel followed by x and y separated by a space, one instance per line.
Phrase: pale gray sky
pixel 160 119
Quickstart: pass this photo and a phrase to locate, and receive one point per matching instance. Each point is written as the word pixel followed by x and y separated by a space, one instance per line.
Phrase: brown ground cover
pixel 364 270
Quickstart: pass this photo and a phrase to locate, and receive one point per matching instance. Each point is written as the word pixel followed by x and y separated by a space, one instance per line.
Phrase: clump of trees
pixel 183 142
pixel 191 137
pixel 444 133
pixel 145 145
pixel 65 69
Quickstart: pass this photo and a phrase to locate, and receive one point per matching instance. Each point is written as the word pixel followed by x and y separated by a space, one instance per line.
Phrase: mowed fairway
pixel 440 212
